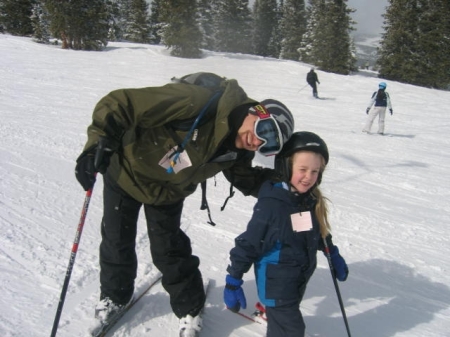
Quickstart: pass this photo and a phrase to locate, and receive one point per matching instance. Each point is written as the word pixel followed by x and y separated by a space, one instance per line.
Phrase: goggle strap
pixel 261 111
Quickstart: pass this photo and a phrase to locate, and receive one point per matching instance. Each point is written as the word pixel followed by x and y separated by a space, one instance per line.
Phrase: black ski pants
pixel 314 88
pixel 170 248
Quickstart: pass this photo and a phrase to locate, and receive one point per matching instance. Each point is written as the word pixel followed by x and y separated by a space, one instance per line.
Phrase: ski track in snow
pixel 389 195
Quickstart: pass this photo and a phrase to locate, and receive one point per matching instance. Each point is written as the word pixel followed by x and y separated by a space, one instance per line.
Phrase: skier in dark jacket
pixel 312 79
pixel 379 102
pixel 289 225
pixel 147 158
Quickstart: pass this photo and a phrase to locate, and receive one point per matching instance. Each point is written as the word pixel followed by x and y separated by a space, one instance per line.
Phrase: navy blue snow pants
pixel 286 320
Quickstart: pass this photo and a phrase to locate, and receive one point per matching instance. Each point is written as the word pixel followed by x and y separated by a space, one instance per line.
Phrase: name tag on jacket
pixel 301 222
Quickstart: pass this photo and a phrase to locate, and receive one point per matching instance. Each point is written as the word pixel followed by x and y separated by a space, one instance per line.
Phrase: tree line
pixel 414 47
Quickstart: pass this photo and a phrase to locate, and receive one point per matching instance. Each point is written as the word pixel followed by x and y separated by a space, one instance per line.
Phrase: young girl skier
pixel 288 227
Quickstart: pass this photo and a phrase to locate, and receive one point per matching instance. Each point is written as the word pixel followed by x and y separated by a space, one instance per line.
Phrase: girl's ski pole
pixel 336 286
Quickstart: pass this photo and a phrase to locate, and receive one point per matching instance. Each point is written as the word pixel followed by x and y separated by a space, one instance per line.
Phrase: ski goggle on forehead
pixel 268 131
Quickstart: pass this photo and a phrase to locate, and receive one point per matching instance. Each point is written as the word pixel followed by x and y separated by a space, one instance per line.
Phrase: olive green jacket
pixel 139 119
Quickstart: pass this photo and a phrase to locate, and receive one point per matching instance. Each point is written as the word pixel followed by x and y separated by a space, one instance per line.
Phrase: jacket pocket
pixel 282 281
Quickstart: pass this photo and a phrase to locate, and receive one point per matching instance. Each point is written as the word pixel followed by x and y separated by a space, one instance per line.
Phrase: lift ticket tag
pixel 182 161
pixel 301 222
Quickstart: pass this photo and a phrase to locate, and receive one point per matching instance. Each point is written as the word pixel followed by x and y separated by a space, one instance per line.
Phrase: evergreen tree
pixel 138 27
pixel 207 10
pixel 96 26
pixel 276 38
pixel 40 22
pixel 416 43
pixel 81 25
pixel 293 25
pixel 306 49
pixel 264 26
pixel 155 23
pixel 119 11
pixel 233 26
pixel 181 31
pixel 327 42
pixel 15 16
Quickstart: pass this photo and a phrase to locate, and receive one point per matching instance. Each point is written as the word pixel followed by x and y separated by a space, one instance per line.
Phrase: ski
pixel 260 313
pixel 259 317
pixel 101 329
pixel 250 318
pixel 374 133
pixel 256 316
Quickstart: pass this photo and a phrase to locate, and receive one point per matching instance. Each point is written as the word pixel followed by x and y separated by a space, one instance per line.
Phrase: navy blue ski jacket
pixel 284 260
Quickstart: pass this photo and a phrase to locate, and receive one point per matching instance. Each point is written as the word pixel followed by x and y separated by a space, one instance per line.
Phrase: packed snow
pixel 389 196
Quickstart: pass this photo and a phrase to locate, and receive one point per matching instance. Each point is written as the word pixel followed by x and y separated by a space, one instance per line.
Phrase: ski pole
pixel 336 286
pixel 73 254
pixel 302 88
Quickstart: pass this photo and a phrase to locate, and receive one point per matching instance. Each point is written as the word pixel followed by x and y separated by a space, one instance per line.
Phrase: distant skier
pixel 380 101
pixel 312 79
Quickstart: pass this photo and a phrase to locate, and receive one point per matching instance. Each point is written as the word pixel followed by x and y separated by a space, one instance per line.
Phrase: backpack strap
pixel 181 147
pixel 186 124
pixel 231 195
pixel 204 204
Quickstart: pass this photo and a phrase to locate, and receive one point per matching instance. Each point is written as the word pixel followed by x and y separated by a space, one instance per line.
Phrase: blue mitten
pixel 339 265
pixel 233 294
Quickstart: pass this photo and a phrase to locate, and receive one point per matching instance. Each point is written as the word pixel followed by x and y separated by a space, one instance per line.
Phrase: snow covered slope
pixel 390 195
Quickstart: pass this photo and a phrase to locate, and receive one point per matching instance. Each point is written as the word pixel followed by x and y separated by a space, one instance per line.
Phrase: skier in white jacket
pixel 377 107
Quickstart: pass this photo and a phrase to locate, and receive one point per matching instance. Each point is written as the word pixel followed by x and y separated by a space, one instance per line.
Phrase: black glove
pixel 367 111
pixel 95 159
pixel 85 169
pixel 392 112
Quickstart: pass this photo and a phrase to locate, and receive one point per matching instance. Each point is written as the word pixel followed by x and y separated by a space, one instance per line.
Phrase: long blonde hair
pixel 322 206
pixel 322 212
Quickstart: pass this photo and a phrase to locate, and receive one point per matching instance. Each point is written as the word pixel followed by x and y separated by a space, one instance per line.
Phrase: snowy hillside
pixel 390 196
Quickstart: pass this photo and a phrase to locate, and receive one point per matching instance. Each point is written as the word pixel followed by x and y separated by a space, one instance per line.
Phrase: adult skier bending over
pixel 133 135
